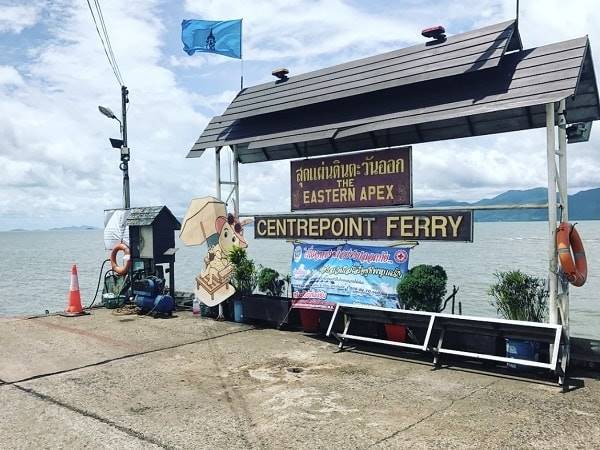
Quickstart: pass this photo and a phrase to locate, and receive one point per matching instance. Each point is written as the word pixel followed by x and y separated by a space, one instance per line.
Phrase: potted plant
pixel 271 306
pixel 270 282
pixel 243 279
pixel 519 296
pixel 422 288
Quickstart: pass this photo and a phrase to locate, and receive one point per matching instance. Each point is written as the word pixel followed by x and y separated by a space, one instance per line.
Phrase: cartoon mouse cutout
pixel 213 284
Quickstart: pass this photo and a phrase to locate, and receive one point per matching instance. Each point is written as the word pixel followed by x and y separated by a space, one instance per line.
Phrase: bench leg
pixel 436 351
pixel 347 321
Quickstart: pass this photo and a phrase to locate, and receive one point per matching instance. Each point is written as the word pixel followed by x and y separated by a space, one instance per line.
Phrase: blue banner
pixel 210 36
pixel 323 275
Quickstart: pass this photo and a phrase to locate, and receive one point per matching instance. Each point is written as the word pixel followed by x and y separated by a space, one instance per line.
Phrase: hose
pixel 98 286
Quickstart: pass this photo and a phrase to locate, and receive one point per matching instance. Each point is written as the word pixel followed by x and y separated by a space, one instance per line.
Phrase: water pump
pixel 150 299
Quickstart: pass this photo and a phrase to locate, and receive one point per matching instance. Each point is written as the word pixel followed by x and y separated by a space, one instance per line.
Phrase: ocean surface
pixel 35 266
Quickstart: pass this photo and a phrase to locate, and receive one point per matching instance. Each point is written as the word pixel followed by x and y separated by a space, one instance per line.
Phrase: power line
pixel 112 63
pixel 110 50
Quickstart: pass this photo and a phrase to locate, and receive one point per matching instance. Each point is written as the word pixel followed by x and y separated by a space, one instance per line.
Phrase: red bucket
pixel 395 332
pixel 310 320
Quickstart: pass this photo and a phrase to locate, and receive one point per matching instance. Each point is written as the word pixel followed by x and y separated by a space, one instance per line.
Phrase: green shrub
pixel 518 296
pixel 423 288
pixel 244 271
pixel 269 282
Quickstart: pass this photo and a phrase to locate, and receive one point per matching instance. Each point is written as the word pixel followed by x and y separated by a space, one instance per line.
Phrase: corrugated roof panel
pixel 469 104
pixel 144 215
pixel 466 52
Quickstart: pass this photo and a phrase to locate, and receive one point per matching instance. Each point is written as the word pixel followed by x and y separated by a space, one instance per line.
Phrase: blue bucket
pixel 518 349
pixel 238 311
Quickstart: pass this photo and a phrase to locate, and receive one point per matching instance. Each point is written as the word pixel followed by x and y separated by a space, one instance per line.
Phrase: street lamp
pixel 121 143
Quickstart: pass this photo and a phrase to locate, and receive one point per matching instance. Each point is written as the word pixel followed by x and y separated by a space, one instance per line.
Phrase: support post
pixel 221 316
pixel 564 200
pixel 218 171
pixel 172 277
pixel 125 150
pixel 236 181
pixel 552 255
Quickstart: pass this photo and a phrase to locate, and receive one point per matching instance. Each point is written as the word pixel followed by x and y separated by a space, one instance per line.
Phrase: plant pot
pixel 266 308
pixel 309 318
pixel 238 311
pixel 395 332
pixel 521 349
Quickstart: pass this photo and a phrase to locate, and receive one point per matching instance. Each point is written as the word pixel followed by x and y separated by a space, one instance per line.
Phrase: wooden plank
pixel 548 50
pixel 475 49
pixel 520 96
pixel 360 84
pixel 515 98
pixel 490 30
pixel 289 139
pixel 350 123
pixel 329 97
pixel 551 52
pixel 221 124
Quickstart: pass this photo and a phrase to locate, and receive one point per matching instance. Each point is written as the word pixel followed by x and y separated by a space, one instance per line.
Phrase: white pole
pixel 218 171
pixel 564 195
pixel 236 180
pixel 221 316
pixel 552 255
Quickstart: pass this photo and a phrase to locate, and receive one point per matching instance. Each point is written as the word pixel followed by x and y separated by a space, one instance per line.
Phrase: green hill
pixel 584 205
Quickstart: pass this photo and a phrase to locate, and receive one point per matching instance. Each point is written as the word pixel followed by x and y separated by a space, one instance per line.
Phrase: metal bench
pixel 439 324
pixel 381 315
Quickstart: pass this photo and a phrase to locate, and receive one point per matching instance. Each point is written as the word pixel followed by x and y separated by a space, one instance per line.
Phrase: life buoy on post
pixel 120 270
pixel 571 254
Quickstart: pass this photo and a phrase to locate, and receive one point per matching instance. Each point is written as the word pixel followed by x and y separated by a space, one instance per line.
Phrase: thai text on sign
pixel 455 225
pixel 380 178
pixel 323 275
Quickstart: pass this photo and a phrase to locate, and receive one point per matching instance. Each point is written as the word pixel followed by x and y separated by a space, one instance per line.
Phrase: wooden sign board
pixel 410 225
pixel 366 179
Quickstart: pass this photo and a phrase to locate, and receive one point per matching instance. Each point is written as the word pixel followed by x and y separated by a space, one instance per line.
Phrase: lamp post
pixel 121 143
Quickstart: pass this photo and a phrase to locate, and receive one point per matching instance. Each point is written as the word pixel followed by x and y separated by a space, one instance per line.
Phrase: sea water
pixel 35 266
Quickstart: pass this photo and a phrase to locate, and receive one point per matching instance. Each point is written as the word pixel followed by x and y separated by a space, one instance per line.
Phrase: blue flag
pixel 210 36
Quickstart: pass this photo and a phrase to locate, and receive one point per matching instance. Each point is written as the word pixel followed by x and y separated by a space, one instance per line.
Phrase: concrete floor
pixel 107 381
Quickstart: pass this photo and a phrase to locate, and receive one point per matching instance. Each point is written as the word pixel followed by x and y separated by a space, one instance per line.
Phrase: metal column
pixel 221 316
pixel 218 171
pixel 552 255
pixel 236 181
pixel 564 217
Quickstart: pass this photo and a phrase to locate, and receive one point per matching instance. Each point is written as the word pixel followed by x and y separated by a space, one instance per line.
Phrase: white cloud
pixel 55 142
pixel 15 18
pixel 9 76
pixel 60 170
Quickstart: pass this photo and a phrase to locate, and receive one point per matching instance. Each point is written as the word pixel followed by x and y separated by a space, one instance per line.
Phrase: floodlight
pixel 107 112
pixel 579 132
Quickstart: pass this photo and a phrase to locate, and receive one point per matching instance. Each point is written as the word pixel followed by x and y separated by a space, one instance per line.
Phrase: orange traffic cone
pixel 74 308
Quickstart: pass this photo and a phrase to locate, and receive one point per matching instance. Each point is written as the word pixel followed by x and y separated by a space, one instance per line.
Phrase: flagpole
pixel 241 54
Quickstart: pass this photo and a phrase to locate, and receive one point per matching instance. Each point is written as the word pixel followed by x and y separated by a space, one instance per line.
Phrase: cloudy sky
pixel 58 168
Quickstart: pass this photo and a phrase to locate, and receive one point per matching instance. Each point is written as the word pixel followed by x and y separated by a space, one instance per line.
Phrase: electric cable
pixel 104 45
pixel 107 40
pixel 98 285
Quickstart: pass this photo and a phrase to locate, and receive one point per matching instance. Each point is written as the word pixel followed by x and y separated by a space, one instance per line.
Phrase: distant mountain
pixel 81 227
pixel 584 205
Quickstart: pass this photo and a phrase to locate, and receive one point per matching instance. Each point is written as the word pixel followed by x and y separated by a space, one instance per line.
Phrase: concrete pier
pixel 108 381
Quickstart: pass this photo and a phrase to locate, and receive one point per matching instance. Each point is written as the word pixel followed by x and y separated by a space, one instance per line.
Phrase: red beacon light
pixel 438 33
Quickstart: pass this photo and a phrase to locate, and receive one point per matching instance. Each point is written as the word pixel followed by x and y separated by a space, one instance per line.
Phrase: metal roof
pixel 465 86
pixel 146 215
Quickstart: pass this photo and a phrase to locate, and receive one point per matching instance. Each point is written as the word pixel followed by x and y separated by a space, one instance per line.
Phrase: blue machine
pixel 150 299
